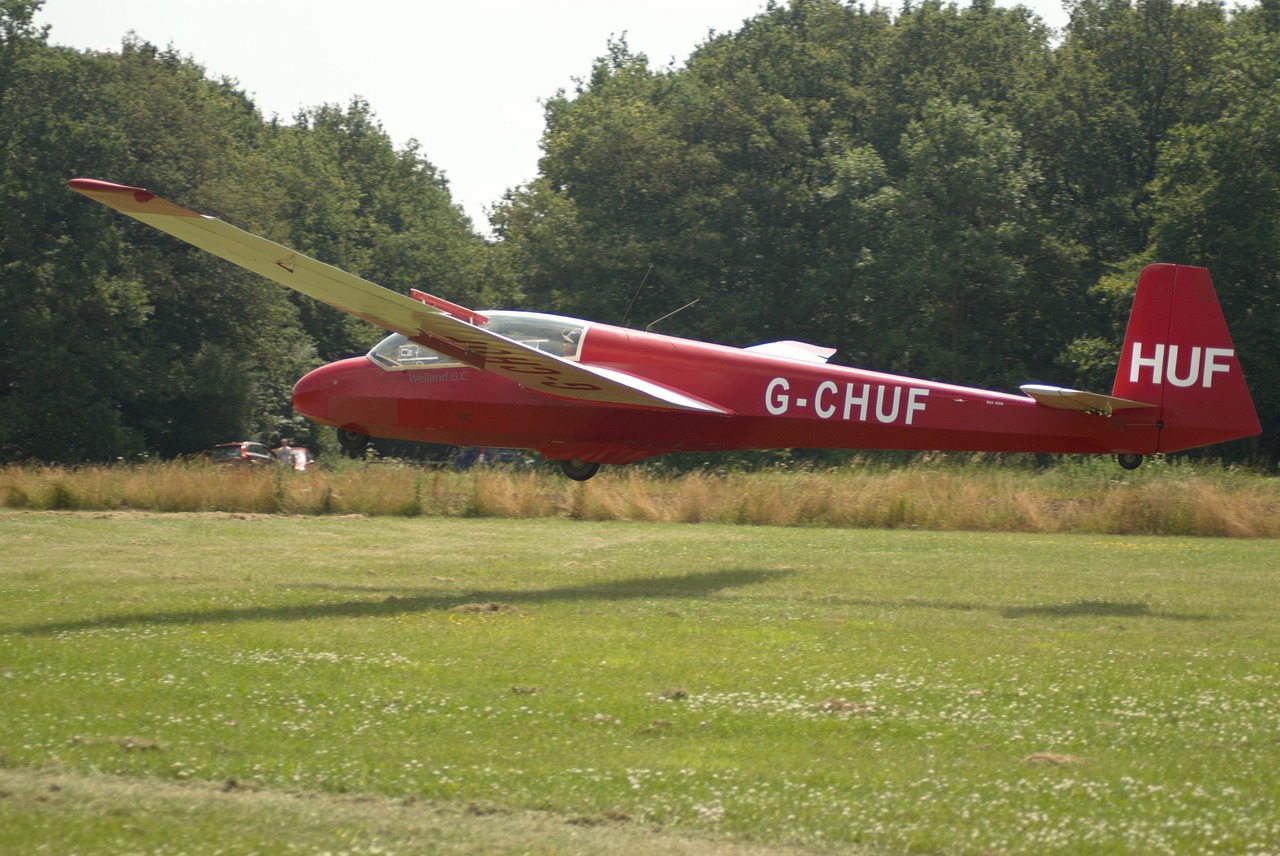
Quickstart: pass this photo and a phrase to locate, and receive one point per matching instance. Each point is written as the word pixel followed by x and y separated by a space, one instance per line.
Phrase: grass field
pixel 238 683
pixel 943 492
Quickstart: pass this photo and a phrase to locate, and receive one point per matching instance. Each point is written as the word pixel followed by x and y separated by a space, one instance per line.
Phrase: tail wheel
pixel 353 442
pixel 579 470
pixel 1129 461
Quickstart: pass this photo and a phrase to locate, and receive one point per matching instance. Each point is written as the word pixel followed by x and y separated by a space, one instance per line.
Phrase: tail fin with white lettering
pixel 1178 355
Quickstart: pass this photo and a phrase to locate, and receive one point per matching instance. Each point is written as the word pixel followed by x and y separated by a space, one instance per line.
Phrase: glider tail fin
pixel 1178 355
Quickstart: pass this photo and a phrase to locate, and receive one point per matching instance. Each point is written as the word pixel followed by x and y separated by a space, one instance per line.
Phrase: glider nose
pixel 312 392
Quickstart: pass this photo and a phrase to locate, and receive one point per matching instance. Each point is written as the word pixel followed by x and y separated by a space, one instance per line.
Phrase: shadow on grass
pixel 1095 609
pixel 684 586
pixel 688 586
pixel 1078 609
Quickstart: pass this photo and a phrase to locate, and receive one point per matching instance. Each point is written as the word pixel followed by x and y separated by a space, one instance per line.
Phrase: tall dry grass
pixel 931 493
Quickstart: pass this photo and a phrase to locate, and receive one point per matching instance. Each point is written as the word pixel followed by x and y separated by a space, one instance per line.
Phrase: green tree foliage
pixel 963 254
pixel 345 195
pixel 115 340
pixel 1124 76
pixel 1214 198
pixel 797 176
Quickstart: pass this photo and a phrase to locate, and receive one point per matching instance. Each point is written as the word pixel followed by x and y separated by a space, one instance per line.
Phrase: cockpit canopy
pixel 553 334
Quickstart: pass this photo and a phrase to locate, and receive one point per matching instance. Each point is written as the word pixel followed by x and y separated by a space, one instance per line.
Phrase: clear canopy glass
pixel 554 334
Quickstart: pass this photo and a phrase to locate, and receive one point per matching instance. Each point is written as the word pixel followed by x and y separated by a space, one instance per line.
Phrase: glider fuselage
pixel 774 402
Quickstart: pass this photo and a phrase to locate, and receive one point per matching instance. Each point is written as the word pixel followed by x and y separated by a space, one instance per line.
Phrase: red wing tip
pixel 93 185
pixel 125 198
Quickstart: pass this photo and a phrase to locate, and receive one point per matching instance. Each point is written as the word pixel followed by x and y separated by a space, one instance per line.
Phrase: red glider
pixel 586 394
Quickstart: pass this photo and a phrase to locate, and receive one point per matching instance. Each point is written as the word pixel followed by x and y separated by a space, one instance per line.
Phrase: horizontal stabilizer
pixel 1061 398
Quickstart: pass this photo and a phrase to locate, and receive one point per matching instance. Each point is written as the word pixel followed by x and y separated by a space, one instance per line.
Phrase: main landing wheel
pixel 1129 461
pixel 353 442
pixel 579 470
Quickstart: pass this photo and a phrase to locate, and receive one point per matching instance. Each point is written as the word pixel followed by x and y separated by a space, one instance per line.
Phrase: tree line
pixel 944 191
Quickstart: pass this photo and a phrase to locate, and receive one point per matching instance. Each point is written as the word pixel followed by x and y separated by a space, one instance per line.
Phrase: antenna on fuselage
pixel 672 312
pixel 627 314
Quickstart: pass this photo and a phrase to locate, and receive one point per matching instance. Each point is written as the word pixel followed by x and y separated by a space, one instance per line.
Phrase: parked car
pixel 243 453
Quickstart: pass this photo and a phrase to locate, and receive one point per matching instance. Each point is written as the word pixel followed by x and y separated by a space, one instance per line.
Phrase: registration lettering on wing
pixel 887 404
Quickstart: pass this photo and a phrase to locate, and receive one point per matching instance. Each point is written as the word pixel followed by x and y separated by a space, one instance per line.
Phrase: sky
pixel 465 79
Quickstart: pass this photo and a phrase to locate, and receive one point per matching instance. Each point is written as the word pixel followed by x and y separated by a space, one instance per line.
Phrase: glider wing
pixel 434 323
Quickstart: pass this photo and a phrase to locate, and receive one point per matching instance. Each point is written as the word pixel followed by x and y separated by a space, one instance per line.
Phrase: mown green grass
pixel 888 691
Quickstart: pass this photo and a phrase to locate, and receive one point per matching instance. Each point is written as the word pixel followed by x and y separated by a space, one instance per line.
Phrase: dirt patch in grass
pixel 484 607
pixel 71 808
pixel 1053 759
pixel 124 742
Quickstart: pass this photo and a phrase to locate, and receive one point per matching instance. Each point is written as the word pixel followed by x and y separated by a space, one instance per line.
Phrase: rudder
pixel 1178 355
